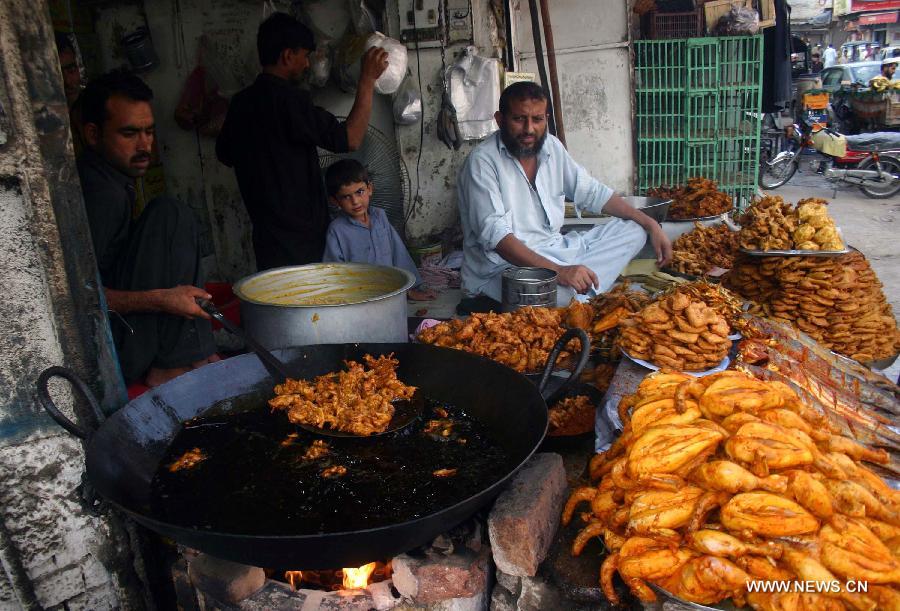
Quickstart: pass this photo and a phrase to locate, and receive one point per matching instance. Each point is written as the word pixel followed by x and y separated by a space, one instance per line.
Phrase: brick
pixel 437 577
pixel 524 520
pixel 226 581
pixel 54 588
pixel 383 596
pixel 96 599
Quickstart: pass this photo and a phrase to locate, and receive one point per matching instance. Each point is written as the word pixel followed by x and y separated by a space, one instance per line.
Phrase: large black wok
pixel 125 451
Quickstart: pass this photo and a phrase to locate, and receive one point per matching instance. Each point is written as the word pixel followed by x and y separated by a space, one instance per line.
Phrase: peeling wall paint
pixel 64 555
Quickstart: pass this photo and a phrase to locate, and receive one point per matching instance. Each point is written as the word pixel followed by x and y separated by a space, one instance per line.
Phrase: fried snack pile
pixel 521 340
pixel 700 197
pixel 837 301
pixel 703 248
pixel 772 224
pixel 614 305
pixel 816 230
pixel 768 224
pixel 723 480
pixel 720 299
pixel 676 332
pixel 571 416
pixel 356 401
pixel 188 460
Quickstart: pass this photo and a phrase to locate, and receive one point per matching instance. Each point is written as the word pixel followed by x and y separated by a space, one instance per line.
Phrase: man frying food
pixel 512 192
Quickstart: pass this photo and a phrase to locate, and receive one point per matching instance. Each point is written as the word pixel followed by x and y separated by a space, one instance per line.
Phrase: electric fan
pixel 386 169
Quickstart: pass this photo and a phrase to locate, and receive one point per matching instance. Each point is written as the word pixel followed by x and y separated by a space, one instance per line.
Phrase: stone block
pixel 502 599
pixel 226 581
pixel 53 588
pixel 524 520
pixel 537 595
pixel 509 582
pixel 436 577
pixel 479 602
pixel 383 595
pixel 96 599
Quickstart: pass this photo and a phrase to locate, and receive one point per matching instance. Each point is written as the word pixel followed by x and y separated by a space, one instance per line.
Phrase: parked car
pixel 839 81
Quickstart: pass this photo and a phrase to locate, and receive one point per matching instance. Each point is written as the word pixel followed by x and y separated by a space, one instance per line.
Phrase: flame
pixel 358 578
pixel 294 578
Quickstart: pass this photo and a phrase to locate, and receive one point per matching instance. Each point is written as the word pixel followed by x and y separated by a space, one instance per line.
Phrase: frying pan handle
pixel 43 391
pixel 268 359
pixel 583 355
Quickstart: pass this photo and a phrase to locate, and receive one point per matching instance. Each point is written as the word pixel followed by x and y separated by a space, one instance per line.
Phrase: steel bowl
pixel 655 207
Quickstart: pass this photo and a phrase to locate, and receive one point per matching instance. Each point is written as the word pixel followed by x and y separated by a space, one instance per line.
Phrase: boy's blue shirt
pixel 348 240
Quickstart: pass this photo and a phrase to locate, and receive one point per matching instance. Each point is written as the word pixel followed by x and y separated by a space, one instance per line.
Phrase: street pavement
pixel 870 225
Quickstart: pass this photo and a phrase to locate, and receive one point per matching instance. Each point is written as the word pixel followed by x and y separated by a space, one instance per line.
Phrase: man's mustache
pixel 141 157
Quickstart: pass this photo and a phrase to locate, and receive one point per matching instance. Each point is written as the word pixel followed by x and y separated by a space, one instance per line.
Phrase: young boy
pixel 362 234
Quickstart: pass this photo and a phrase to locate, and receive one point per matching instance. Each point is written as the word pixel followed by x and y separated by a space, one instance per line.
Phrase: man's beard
pixel 517 150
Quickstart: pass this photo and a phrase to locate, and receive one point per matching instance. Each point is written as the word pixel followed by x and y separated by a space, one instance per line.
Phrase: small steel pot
pixel 325 303
pixel 528 286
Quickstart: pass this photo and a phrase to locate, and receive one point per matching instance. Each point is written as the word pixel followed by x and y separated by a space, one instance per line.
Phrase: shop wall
pixel 57 550
pixel 594 65
pixel 192 172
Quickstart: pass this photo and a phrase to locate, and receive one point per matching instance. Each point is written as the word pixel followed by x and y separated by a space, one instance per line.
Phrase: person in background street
pixel 830 56
pixel 362 234
pixel 816 65
pixel 150 269
pixel 889 67
pixel 270 138
pixel 512 190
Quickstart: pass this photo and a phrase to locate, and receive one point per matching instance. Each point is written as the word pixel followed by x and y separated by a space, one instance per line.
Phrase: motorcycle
pixel 871 162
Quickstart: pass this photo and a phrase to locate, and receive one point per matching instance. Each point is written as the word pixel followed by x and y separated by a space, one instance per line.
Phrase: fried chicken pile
pixel 521 340
pixel 677 332
pixel 356 401
pixel 572 416
pixel 772 224
pixel 609 310
pixel 719 481
pixel 703 248
pixel 700 197
pixel 837 301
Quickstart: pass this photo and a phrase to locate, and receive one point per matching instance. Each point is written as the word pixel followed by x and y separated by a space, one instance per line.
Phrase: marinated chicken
pixel 358 400
pixel 722 480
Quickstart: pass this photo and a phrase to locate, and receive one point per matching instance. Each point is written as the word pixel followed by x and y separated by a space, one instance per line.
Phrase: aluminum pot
pixel 325 303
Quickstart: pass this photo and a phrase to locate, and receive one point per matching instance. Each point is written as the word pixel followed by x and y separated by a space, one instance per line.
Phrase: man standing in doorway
pixel 270 138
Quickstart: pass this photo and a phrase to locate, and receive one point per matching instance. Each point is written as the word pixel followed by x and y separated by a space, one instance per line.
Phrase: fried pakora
pixel 358 400
pixel 703 248
pixel 571 416
pixel 188 460
pixel 698 198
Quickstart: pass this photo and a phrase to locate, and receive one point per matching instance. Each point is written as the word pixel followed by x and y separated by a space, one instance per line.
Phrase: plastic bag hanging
pixel 408 103
pixel 474 87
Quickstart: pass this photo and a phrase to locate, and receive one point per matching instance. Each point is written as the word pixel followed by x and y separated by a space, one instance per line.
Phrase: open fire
pixel 340 579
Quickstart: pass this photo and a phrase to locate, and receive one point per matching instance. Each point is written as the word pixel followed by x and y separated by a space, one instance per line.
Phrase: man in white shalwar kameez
pixel 512 191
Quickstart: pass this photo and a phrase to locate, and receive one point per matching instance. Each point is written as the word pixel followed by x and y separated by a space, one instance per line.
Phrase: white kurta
pixel 496 199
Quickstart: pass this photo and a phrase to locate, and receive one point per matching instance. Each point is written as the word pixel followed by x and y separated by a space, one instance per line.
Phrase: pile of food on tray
pixel 717 297
pixel 721 481
pixel 703 248
pixel 678 332
pixel 358 400
pixel 699 198
pixel 521 340
pixel 609 309
pixel 837 300
pixel 571 416
pixel 772 224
